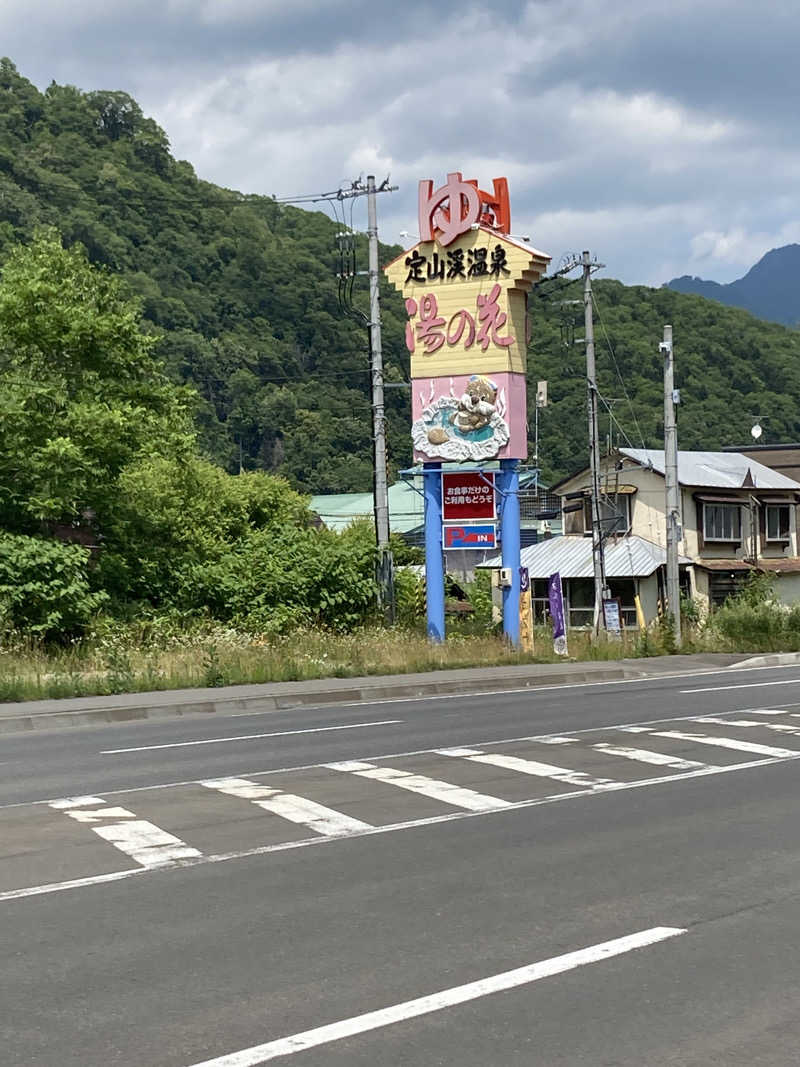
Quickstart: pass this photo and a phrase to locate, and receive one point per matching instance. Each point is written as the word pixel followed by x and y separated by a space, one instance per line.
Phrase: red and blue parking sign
pixel 474 535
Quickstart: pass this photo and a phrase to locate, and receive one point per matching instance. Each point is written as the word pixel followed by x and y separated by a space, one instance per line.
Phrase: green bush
pixel 479 592
pixel 409 595
pixel 173 517
pixel 754 620
pixel 272 581
pixel 44 586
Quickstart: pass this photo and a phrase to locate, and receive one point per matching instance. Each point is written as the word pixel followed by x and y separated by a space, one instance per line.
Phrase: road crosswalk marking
pixel 643 755
pixel 144 842
pixel 730 742
pixel 155 850
pixel 456 795
pixel 296 809
pixel 526 766
pixel 778 727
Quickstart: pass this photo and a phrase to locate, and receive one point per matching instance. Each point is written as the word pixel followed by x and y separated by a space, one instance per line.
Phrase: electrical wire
pixel 616 368
pixel 614 420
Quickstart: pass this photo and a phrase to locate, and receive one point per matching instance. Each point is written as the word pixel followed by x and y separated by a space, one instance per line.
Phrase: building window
pixel 722 522
pixel 615 514
pixel 777 522
pixel 724 584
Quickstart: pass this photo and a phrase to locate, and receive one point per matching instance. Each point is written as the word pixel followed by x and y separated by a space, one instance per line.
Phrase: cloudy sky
pixel 662 137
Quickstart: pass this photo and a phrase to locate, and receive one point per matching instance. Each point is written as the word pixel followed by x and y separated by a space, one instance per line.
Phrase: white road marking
pixel 296 809
pixel 762 711
pixel 645 729
pixel 145 843
pixel 778 727
pixel 643 755
pixel 251 737
pixel 412 824
pixel 76 802
pixel 446 998
pixel 456 795
pixel 741 685
pixel 558 740
pixel 526 766
pixel 730 742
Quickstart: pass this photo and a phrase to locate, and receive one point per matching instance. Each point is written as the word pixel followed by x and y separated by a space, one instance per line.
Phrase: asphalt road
pixel 600 874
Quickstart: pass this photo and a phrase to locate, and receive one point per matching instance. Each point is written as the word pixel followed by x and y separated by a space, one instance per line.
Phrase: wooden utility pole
pixel 385 561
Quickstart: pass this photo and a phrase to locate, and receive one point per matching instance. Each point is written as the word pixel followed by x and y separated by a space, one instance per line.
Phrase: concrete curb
pixel 772 659
pixel 283 696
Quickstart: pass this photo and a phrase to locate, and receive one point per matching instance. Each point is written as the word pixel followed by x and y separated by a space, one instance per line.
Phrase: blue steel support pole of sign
pixel 509 532
pixel 434 558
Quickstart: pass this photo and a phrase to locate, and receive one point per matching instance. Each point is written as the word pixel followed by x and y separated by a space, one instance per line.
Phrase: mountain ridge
pixel 770 289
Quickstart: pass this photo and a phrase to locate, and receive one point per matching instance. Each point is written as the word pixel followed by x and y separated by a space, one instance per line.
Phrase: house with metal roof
pixel 738 515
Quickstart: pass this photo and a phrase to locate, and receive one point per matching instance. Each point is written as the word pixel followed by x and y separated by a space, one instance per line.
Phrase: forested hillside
pixel 729 366
pixel 241 292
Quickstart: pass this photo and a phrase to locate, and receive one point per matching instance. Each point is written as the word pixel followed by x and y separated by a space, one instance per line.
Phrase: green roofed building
pixel 406 510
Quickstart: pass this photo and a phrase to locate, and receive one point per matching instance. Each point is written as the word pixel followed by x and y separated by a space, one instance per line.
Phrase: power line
pixel 619 373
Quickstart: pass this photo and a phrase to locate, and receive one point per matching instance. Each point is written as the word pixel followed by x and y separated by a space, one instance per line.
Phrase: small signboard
pixel 474 535
pixel 612 615
pixel 467 496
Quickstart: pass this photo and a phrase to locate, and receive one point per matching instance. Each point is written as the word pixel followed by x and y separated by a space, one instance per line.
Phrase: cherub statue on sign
pixel 476 406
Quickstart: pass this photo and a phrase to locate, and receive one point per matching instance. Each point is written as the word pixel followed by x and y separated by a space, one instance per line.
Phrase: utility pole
pixel 671 488
pixel 347 275
pixel 381 485
pixel 594 441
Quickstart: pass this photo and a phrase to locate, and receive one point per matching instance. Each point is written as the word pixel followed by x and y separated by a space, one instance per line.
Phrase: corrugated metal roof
pixel 338 510
pixel 571 557
pixel 720 470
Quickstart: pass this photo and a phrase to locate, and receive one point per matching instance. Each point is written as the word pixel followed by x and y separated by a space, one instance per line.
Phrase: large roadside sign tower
pixel 465 285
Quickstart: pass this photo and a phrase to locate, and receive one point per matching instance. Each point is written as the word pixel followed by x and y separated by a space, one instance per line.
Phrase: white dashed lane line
pixel 250 737
pixel 445 998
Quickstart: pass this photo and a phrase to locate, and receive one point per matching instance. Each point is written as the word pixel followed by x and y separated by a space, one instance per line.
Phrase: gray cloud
pixel 660 138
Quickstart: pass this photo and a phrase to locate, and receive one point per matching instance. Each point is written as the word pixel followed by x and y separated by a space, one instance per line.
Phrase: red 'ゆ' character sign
pixel 459 204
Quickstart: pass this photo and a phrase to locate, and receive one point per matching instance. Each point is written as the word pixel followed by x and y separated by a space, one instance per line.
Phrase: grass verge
pixel 151 657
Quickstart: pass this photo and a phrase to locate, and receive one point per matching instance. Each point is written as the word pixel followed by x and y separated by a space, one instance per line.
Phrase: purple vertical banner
pixel 555 595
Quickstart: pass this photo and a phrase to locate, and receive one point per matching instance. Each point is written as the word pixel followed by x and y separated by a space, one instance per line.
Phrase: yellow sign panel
pixel 467 303
pixel 526 619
